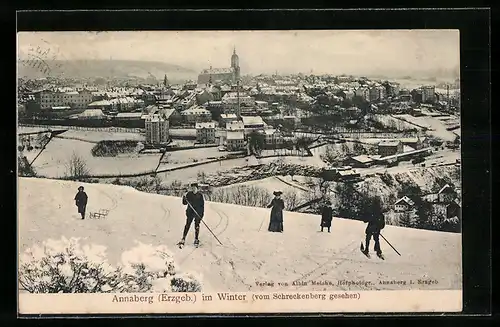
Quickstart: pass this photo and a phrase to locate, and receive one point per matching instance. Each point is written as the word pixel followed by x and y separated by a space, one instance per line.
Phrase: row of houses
pixel 445 203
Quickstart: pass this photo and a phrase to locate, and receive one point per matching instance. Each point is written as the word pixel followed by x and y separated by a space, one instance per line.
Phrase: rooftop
pixel 228 116
pixel 389 143
pixel 405 199
pixel 217 71
pixel 362 158
pixel 235 135
pixel 205 125
pixel 252 120
pixel 129 115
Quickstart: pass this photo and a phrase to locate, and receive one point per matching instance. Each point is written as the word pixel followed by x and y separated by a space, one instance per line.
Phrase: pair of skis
pixel 181 244
pixel 365 252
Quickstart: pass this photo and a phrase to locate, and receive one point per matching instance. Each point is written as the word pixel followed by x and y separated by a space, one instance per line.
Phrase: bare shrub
pixel 387 179
pixel 291 199
pixel 24 169
pixel 65 266
pixel 242 195
pixel 76 166
pixel 185 283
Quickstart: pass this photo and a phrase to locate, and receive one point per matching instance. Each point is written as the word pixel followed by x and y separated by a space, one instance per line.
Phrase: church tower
pixel 235 64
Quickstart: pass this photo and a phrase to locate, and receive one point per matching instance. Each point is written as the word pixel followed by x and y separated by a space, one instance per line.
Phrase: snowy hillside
pixel 249 253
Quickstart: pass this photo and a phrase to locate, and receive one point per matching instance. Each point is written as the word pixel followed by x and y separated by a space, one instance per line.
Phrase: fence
pixel 84 128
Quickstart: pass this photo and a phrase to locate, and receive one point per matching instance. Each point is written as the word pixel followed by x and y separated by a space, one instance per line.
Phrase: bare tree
pixel 291 200
pixel 76 166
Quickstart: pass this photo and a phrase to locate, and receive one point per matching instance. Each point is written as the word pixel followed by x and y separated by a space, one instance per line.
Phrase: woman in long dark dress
pixel 327 216
pixel 277 205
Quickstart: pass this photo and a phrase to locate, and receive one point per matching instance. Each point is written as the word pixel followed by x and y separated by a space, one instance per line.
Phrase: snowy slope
pixel 250 254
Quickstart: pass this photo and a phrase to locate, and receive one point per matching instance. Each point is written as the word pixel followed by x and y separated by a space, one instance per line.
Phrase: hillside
pixel 250 254
pixel 106 68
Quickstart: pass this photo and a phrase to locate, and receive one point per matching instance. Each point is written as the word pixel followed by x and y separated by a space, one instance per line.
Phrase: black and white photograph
pixel 264 168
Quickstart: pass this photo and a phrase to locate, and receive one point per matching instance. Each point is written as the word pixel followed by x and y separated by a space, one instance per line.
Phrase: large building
pixel 72 99
pixel 205 132
pixel 228 75
pixel 156 129
pixel 428 94
pixel 390 147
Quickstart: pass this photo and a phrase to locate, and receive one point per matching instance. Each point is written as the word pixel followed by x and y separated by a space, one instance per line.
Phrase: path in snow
pixel 249 253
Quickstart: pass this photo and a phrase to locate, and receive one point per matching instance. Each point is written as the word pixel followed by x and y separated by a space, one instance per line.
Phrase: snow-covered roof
pixel 389 143
pixel 405 199
pixel 91 113
pixel 167 112
pixel 234 125
pixel 129 115
pixel 217 71
pixel 252 120
pixel 195 110
pixel 235 135
pixel 228 116
pixel 205 125
pixel 447 187
pixel 362 158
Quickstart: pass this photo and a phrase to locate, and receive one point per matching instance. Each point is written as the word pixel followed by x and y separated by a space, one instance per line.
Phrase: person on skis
pixel 81 199
pixel 194 211
pixel 326 216
pixel 376 222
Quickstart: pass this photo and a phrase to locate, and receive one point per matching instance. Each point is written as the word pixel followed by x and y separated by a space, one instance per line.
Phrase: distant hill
pixel 106 69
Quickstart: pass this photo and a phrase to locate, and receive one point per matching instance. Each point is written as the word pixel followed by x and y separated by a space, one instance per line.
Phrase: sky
pixel 320 51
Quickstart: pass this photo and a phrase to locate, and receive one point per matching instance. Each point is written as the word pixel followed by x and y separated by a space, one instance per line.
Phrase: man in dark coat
pixel 81 201
pixel 327 216
pixel 194 211
pixel 376 222
pixel 277 205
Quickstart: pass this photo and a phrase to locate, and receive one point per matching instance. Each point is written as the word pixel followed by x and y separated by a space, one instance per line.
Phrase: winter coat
pixel 277 206
pixel 81 199
pixel 194 201
pixel 375 224
pixel 326 217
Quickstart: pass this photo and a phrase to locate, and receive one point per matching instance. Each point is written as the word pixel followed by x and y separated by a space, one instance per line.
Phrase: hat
pixel 277 193
pixel 194 184
pixel 80 187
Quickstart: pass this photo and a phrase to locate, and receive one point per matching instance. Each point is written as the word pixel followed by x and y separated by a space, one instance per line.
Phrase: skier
pixel 195 210
pixel 277 205
pixel 327 216
pixel 376 222
pixel 81 201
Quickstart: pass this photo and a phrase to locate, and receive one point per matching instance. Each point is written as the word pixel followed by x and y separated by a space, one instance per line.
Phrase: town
pixel 348 128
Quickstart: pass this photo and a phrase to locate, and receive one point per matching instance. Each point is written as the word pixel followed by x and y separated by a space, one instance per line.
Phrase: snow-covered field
pixel 92 136
pixel 52 162
pixel 437 127
pixel 249 253
pixel 188 156
pixel 387 120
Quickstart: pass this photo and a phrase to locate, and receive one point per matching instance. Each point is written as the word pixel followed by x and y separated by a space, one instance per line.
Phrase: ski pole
pixel 189 204
pixel 390 244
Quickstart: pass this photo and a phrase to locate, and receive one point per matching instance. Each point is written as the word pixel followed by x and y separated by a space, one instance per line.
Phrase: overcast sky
pixel 351 52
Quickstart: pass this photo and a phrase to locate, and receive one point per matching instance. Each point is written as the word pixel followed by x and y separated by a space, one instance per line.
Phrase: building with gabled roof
pixel 404 204
pixel 205 132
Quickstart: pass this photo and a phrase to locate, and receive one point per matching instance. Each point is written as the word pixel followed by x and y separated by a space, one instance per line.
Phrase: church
pixel 228 75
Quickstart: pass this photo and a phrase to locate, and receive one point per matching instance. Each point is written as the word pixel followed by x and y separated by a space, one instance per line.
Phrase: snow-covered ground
pixel 92 136
pixel 249 253
pixel 436 126
pixel 53 160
